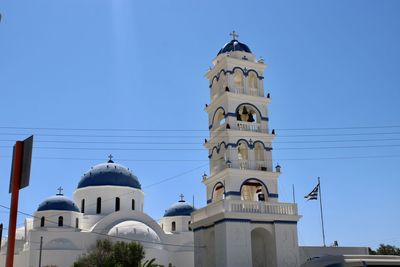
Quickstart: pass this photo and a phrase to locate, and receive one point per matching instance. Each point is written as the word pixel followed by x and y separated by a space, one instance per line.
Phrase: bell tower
pixel 243 224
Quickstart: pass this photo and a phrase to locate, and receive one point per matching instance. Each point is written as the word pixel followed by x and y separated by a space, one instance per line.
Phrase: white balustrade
pixel 243 164
pixel 248 126
pixel 238 90
pixel 253 91
pixel 261 165
pixel 241 206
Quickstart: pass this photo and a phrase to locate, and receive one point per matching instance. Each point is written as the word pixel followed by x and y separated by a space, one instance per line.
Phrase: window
pixel 60 221
pixel 173 228
pixel 98 208
pixel 133 204
pixel 117 204
pixel 83 206
pixel 76 223
pixel 189 228
pixel 42 222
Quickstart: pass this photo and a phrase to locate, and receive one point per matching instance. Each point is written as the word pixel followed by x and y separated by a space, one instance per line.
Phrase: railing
pixel 262 207
pixel 241 206
pixel 243 164
pixel 248 126
pixel 253 91
pixel 238 90
pixel 261 165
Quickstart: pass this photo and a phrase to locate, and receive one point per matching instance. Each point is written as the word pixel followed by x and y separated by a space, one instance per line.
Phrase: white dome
pixel 136 231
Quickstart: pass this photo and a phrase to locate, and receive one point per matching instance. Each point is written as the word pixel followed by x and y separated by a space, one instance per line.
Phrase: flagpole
pixel 294 196
pixel 322 216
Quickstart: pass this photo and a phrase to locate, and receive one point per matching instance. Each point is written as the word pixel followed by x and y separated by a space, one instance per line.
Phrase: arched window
pixel 243 155
pixel 222 82
pixel 83 206
pixel 253 80
pixel 253 190
pixel 218 193
pixel 133 204
pixel 173 227
pixel 117 204
pixel 219 118
pixel 60 221
pixel 238 79
pixel 42 222
pixel 259 156
pixel 98 207
pixel 189 228
pixel 76 223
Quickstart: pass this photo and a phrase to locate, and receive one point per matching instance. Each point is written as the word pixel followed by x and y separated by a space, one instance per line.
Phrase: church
pixel 243 222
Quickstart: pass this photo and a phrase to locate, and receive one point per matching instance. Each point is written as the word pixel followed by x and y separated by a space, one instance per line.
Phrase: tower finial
pixel 60 189
pixel 234 35
pixel 110 159
pixel 181 196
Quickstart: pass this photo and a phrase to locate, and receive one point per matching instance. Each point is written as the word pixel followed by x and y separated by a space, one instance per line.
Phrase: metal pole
pixel 294 196
pixel 40 251
pixel 1 234
pixel 322 216
pixel 17 164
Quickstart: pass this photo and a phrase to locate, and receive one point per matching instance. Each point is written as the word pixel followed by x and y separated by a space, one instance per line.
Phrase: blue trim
pixel 243 220
pixel 234 145
pixel 244 71
pixel 232 193
pixel 209 201
pixel 272 195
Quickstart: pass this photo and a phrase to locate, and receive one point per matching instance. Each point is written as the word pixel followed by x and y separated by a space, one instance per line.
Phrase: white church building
pixel 243 223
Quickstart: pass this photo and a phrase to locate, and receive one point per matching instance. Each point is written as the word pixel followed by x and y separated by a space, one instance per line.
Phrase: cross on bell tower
pixel 110 159
pixel 234 35
pixel 60 189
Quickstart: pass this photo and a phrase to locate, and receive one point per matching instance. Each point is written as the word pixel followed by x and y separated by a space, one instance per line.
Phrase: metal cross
pixel 60 189
pixel 110 157
pixel 234 35
pixel 181 196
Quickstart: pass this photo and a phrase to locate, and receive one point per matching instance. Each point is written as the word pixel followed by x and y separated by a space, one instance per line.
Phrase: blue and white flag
pixel 313 195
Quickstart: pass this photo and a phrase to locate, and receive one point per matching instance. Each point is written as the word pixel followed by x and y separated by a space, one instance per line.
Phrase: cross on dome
pixel 110 159
pixel 181 196
pixel 60 189
pixel 234 35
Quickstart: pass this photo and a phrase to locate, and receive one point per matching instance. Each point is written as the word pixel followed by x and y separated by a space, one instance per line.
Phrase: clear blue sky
pixel 140 65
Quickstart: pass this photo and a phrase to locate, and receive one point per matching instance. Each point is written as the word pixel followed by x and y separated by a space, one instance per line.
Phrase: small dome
pixel 181 208
pixel 58 202
pixel 134 230
pixel 234 45
pixel 109 173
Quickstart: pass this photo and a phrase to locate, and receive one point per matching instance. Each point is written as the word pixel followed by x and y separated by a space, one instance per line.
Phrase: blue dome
pixel 181 208
pixel 234 45
pixel 58 202
pixel 109 173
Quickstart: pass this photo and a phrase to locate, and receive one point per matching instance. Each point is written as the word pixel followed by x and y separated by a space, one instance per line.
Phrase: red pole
pixel 17 164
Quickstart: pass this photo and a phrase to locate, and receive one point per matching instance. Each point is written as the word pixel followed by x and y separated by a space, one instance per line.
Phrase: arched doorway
pixel 262 248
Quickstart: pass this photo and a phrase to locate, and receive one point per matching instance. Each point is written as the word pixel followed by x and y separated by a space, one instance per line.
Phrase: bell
pixel 251 118
pixel 238 116
pixel 245 112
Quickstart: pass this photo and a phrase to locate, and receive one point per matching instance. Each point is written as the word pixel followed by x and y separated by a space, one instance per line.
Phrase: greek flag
pixel 313 195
